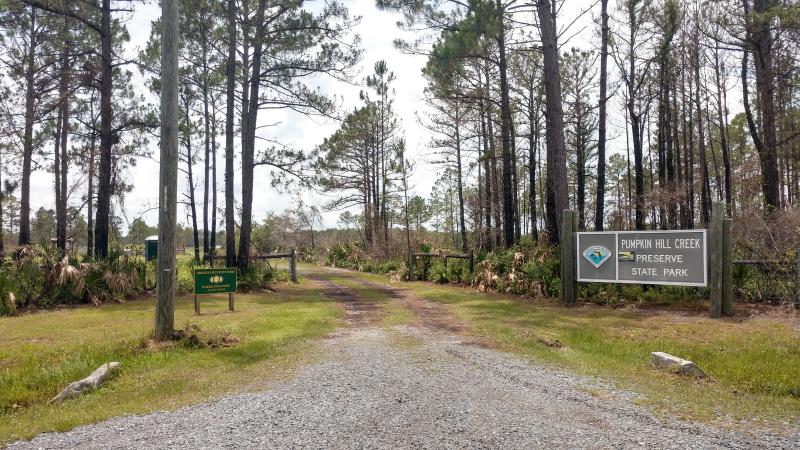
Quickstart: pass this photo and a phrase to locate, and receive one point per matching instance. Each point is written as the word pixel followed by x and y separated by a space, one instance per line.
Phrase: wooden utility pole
pixel 168 187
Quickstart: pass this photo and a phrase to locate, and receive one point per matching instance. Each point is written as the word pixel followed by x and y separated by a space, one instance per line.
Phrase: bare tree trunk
pixel 462 222
pixel 580 170
pixel 249 137
pixel 107 135
pixel 722 112
pixel 57 175
pixel 761 39
pixel 27 142
pixel 61 191
pixel 408 228
pixel 230 105
pixel 213 243
pixel 515 182
pixel 533 144
pixel 488 182
pixel 705 201
pixel 206 161
pixel 600 200
pixel 90 190
pixel 505 132
pixel 556 154
pixel 190 178
pixel 492 173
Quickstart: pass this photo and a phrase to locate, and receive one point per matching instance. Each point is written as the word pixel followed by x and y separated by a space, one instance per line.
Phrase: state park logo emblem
pixel 597 255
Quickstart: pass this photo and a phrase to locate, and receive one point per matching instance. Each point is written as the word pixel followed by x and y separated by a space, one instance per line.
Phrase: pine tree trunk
pixel 250 136
pixel 230 106
pixel 27 141
pixel 90 190
pixel 580 175
pixel 556 155
pixel 190 179
pixel 705 201
pixel 206 162
pixel 213 244
pixel 104 192
pixel 57 176
pixel 533 144
pixel 761 39
pixel 104 189
pixel 487 155
pixel 599 215
pixel 460 181
pixel 505 132
pixel 723 133
pixel 61 192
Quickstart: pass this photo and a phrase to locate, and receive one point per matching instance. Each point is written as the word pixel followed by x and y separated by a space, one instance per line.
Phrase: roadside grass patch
pixel 221 352
pixel 753 363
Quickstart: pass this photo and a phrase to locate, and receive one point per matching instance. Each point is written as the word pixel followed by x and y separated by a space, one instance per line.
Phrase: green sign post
pixel 214 281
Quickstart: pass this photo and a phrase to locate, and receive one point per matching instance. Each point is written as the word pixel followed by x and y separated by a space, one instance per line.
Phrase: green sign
pixel 214 281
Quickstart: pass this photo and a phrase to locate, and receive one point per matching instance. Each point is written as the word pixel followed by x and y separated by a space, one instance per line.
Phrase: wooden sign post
pixel 568 285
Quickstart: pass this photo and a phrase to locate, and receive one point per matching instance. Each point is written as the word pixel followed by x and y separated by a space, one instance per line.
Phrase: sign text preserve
pixel 644 257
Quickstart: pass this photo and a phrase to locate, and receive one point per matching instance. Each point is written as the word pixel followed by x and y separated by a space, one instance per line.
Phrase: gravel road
pixel 411 387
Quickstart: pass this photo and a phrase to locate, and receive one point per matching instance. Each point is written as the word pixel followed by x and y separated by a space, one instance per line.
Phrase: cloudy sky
pixel 377 30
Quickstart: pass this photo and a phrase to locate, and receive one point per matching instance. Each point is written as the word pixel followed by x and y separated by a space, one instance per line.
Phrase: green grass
pixel 41 353
pixel 753 363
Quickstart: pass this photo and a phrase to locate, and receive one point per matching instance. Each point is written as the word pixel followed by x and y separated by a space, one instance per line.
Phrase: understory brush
pixel 527 268
pixel 261 275
pixel 42 277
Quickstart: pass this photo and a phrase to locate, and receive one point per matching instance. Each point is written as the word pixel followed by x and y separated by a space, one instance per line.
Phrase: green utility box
pixel 151 248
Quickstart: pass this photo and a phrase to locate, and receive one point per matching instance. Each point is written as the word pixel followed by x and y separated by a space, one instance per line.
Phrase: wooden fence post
pixel 727 268
pixel 797 280
pixel 568 258
pixel 717 244
pixel 293 265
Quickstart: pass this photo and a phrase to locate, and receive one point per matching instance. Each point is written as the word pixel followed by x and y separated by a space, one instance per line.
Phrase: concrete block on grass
pixel 681 366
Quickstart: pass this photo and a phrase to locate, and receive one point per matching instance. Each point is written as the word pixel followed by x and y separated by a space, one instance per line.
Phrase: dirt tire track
pixel 358 312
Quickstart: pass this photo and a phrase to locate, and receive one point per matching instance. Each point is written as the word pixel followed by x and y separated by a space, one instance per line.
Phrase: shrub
pixel 389 266
pixel 525 269
pixel 344 255
pixel 401 274
pixel 438 273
